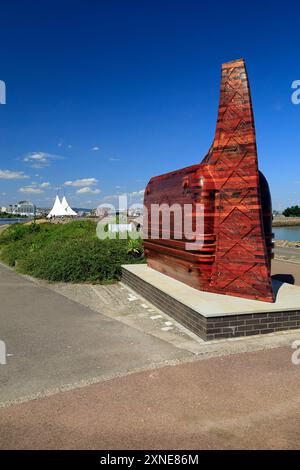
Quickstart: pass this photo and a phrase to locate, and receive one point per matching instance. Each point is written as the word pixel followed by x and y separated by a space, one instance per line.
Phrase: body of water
pixel 12 221
pixel 292 234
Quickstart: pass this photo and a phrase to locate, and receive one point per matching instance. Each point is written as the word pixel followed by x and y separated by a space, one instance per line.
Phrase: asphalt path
pixel 76 378
pixel 247 401
pixel 54 343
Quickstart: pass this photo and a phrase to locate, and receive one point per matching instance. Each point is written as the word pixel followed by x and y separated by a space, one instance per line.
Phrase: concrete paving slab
pixel 118 307
pixel 209 304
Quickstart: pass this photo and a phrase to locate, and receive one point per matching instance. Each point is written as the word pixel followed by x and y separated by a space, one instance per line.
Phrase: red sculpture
pixel 235 247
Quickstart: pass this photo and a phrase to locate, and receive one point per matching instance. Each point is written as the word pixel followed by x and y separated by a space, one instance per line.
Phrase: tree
pixel 293 211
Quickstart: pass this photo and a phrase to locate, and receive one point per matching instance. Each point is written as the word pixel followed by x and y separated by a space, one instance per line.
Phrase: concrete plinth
pixel 214 316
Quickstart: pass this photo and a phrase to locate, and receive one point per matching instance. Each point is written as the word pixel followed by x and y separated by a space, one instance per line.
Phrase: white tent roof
pixel 67 208
pixel 57 209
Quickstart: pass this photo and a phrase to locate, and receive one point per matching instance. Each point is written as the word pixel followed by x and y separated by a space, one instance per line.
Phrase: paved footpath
pixel 287 253
pixel 56 343
pixel 288 271
pixel 85 380
pixel 246 401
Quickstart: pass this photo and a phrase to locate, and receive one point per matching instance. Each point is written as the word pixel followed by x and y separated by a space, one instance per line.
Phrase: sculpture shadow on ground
pixel 279 279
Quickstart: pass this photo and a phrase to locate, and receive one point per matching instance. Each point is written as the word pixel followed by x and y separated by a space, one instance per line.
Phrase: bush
pixel 67 252
pixel 18 231
pixel 293 211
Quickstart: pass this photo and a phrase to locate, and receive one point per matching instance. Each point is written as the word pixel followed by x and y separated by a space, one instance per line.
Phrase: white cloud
pixel 82 182
pixel 87 190
pixel 40 159
pixel 112 159
pixel 12 175
pixel 35 188
pixel 95 148
pixel 114 196
pixel 30 190
pixel 137 193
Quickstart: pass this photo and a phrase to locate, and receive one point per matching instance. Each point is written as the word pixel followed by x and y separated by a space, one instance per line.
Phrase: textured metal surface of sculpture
pixel 235 257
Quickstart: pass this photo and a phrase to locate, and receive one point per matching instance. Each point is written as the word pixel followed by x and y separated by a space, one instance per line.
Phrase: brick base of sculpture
pixel 213 316
pixel 236 244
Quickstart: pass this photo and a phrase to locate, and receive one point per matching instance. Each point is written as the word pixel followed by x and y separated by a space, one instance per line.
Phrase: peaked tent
pixel 67 208
pixel 57 209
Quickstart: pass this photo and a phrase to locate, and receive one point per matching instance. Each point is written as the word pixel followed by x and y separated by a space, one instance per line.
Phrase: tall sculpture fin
pixel 231 196
pixel 242 258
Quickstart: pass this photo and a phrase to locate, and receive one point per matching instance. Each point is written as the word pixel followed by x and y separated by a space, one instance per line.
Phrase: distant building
pixel 135 212
pixel 61 209
pixel 10 208
pixel 69 211
pixel 103 211
pixel 24 208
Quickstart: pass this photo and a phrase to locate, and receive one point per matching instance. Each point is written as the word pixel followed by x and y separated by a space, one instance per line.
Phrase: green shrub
pixel 18 231
pixel 293 211
pixel 67 252
pixel 135 248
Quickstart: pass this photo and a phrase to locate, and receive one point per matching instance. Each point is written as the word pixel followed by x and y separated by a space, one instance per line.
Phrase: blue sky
pixel 102 95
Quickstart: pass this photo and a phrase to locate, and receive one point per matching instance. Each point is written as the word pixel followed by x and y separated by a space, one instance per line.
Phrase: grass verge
pixel 67 252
